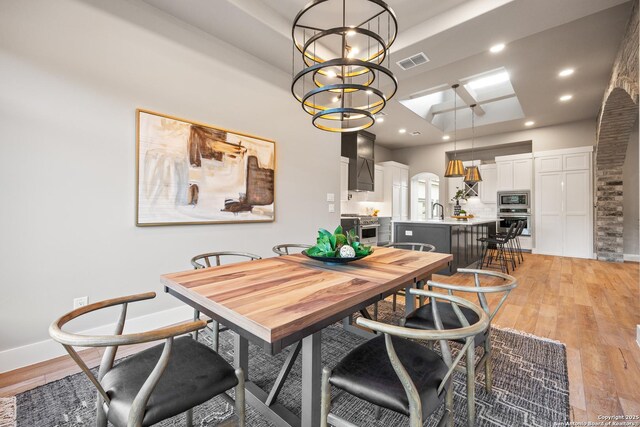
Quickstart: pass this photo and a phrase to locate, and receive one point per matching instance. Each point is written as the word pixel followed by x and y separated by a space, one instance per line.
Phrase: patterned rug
pixel 530 388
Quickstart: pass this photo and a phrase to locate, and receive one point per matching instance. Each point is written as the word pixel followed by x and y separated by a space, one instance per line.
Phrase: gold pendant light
pixel 472 173
pixel 455 168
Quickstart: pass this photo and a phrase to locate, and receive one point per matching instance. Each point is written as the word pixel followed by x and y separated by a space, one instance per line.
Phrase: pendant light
pixel 472 173
pixel 455 168
pixel 340 77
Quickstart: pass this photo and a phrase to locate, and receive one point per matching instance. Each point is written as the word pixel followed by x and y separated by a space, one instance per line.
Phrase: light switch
pixel 332 207
pixel 408 232
pixel 331 197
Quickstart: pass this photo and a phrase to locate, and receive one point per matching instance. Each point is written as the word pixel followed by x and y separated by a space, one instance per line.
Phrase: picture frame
pixel 189 172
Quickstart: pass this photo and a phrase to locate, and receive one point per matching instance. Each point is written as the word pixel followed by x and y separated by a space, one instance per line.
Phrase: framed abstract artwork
pixel 192 173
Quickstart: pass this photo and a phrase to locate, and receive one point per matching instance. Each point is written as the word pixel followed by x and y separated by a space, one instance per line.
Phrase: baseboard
pixel 29 354
pixel 632 257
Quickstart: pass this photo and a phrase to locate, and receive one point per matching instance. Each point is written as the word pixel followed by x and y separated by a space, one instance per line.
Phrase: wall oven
pixel 505 221
pixel 514 200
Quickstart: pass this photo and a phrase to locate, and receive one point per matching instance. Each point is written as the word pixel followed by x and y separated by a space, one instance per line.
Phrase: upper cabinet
pixel 489 184
pixel 514 172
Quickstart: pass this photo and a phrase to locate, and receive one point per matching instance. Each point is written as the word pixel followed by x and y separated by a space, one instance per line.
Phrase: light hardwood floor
pixel 591 306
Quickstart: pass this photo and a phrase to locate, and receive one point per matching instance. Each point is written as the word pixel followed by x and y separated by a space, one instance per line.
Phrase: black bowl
pixel 335 260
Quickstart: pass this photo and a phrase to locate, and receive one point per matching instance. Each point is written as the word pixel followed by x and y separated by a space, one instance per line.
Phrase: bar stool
pixel 499 245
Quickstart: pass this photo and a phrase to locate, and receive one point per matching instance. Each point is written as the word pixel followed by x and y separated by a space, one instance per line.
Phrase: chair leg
pixel 377 412
pixel 375 311
pixel 101 416
pixel 215 333
pixel 196 316
pixel 189 416
pixel 448 405
pixel 240 401
pixel 325 405
pixel 471 385
pixel 488 365
pixel 394 303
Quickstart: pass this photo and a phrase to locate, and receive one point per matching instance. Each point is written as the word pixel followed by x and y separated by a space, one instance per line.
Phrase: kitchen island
pixel 450 236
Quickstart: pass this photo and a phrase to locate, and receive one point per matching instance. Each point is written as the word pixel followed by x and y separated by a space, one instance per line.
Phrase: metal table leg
pixel 311 379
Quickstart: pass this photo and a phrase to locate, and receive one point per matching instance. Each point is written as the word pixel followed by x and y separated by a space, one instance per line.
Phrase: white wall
pixel 73 72
pixel 631 190
pixel 432 158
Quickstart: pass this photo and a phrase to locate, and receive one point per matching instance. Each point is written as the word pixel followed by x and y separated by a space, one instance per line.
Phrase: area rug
pixel 530 387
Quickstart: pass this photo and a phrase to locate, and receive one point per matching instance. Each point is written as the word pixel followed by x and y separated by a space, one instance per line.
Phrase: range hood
pixel 358 147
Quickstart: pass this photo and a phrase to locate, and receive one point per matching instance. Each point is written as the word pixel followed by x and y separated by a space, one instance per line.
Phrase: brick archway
pixel 614 128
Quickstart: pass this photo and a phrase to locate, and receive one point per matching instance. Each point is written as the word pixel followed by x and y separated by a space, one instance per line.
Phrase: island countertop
pixel 449 221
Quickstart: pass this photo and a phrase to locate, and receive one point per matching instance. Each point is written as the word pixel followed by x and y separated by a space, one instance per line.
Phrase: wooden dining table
pixel 287 301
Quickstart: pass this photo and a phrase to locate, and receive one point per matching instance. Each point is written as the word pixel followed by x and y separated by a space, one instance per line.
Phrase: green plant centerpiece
pixel 338 247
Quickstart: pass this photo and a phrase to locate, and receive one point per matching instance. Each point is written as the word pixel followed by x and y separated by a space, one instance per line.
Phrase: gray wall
pixel 631 190
pixel 74 72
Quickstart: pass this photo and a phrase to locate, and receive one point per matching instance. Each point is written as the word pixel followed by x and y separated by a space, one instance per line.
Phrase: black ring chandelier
pixel 339 77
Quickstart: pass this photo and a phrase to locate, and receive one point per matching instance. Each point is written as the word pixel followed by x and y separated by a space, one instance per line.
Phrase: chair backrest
pixel 467 331
pixel 285 248
pixel 520 228
pixel 508 284
pixel 511 232
pixel 422 247
pixel 214 259
pixel 70 340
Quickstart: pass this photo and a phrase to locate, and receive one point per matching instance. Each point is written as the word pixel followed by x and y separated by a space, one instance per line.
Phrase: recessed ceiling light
pixel 402 131
pixel 369 92
pixel 565 98
pixel 490 80
pixel 379 119
pixel 497 48
pixel 331 74
pixel 566 72
pixel 351 33
pixel 446 137
pixel 335 99
pixel 529 123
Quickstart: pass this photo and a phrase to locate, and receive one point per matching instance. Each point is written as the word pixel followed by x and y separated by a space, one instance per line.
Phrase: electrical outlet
pixel 332 207
pixel 331 197
pixel 80 302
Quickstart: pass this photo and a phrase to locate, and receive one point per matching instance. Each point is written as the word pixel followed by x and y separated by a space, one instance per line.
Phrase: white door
pixel 522 170
pixel 396 202
pixel 577 242
pixel 549 218
pixel 344 180
pixel 505 175
pixel 378 191
pixel 488 185
pixel 404 202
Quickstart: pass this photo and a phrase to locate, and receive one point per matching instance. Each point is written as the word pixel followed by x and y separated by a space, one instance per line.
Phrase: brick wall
pixel 615 121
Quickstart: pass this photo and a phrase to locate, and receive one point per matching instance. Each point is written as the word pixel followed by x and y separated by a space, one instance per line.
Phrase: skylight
pixel 490 80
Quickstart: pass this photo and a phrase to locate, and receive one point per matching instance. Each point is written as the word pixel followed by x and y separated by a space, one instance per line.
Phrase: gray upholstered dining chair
pixel 157 383
pixel 214 259
pixel 395 372
pixel 285 248
pixel 421 247
pixel 424 318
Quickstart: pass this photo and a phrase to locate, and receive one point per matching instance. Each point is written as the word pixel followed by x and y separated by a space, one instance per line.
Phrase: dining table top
pixel 280 297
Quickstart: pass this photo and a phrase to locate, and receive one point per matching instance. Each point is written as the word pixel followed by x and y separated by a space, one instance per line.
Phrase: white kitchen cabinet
pixel 488 187
pixel 344 179
pixel 504 175
pixel 563 209
pixel 404 202
pixel 514 172
pixel 377 195
pixel 522 174
pixel 396 189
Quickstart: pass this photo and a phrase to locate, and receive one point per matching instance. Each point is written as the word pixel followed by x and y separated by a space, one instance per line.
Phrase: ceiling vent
pixel 415 133
pixel 413 61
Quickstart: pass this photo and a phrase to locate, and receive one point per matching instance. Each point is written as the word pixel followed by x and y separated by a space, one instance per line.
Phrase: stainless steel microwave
pixel 513 199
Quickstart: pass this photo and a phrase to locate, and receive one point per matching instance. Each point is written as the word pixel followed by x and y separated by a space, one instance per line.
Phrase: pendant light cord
pixel 455 122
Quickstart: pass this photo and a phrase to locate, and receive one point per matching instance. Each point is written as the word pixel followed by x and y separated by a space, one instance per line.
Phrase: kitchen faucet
pixel 441 210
